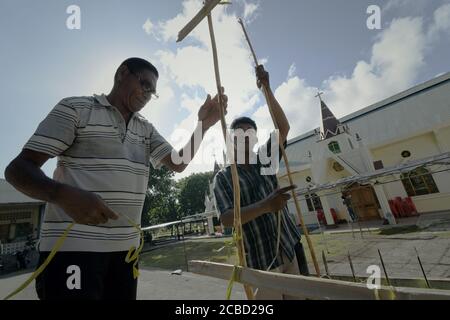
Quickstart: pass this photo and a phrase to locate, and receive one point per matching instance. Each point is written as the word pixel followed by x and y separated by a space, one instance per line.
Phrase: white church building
pixel 394 152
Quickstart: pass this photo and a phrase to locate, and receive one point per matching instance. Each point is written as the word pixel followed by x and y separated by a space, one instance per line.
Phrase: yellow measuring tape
pixel 391 294
pixel 132 255
pixel 234 276
pixel 234 273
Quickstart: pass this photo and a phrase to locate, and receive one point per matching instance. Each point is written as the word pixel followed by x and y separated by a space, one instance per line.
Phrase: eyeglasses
pixel 146 86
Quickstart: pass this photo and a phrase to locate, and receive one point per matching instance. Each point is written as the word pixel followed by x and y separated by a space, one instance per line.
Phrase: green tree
pixel 160 201
pixel 191 193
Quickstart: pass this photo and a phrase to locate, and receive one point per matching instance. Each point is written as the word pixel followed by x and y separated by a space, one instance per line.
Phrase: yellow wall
pixel 422 146
pixel 443 135
pixel 432 202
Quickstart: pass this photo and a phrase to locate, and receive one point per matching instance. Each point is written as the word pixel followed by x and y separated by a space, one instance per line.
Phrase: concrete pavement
pixel 153 285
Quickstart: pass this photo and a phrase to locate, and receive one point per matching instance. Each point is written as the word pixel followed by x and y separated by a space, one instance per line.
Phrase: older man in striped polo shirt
pixel 104 149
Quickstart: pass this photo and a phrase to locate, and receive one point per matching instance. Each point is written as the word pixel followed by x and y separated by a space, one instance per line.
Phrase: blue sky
pixel 305 44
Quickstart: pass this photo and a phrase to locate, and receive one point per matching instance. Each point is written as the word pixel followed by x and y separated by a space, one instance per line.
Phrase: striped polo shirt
pixel 98 152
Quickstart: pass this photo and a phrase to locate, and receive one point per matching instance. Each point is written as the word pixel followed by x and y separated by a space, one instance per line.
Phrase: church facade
pixel 387 161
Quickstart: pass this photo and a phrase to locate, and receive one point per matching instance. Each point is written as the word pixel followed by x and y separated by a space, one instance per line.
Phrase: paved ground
pixel 398 254
pixel 432 241
pixel 153 285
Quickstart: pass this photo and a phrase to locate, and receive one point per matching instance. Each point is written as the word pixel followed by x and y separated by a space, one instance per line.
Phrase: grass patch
pixel 400 230
pixel 444 235
pixel 172 257
pixel 333 245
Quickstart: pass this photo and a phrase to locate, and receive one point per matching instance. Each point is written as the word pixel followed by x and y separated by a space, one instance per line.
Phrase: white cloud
pixel 396 59
pixel 398 55
pixel 170 28
pixel 157 110
pixel 441 22
pixel 250 11
pixel 442 18
pixel 148 27
pixel 416 5
pixel 298 102
pixel 292 70
pixel 190 67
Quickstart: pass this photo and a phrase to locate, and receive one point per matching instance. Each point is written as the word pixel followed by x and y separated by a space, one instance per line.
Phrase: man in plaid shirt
pixel 261 198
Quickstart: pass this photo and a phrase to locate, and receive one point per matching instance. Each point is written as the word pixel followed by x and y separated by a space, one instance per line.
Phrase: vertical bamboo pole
pixel 234 172
pixel 286 161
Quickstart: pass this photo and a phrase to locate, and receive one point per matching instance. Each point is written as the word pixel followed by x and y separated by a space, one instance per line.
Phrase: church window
pixel 315 204
pixel 334 147
pixel 406 154
pixel 419 182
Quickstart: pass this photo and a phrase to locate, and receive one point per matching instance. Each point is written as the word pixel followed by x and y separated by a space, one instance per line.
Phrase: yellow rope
pixel 231 282
pixel 35 274
pixel 132 255
pixel 236 265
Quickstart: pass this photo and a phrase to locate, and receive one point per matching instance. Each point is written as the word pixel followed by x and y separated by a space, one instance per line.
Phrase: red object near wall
pixel 406 208
pixel 323 220
pixel 393 208
pixel 321 217
pixel 412 206
pixel 402 208
pixel 334 215
pixel 398 203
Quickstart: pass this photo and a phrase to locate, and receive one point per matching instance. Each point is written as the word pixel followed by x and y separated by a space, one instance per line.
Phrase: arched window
pixel 334 147
pixel 315 204
pixel 419 182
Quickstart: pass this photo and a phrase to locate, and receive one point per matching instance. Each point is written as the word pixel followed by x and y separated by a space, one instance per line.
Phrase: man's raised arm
pixel 279 115
pixel 208 116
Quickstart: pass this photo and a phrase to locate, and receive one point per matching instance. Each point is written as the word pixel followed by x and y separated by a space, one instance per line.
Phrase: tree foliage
pixel 160 201
pixel 191 193
pixel 167 200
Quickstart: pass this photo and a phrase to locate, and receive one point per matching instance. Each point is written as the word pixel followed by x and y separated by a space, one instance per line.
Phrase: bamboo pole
pixel 234 172
pixel 312 288
pixel 205 11
pixel 283 151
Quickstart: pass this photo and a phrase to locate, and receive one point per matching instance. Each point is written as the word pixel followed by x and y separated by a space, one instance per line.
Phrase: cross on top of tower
pixel 319 95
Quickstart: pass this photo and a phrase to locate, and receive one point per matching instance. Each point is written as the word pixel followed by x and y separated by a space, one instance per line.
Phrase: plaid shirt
pixel 260 235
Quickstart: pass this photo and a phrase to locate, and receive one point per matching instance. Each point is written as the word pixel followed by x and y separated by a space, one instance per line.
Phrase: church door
pixel 364 202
